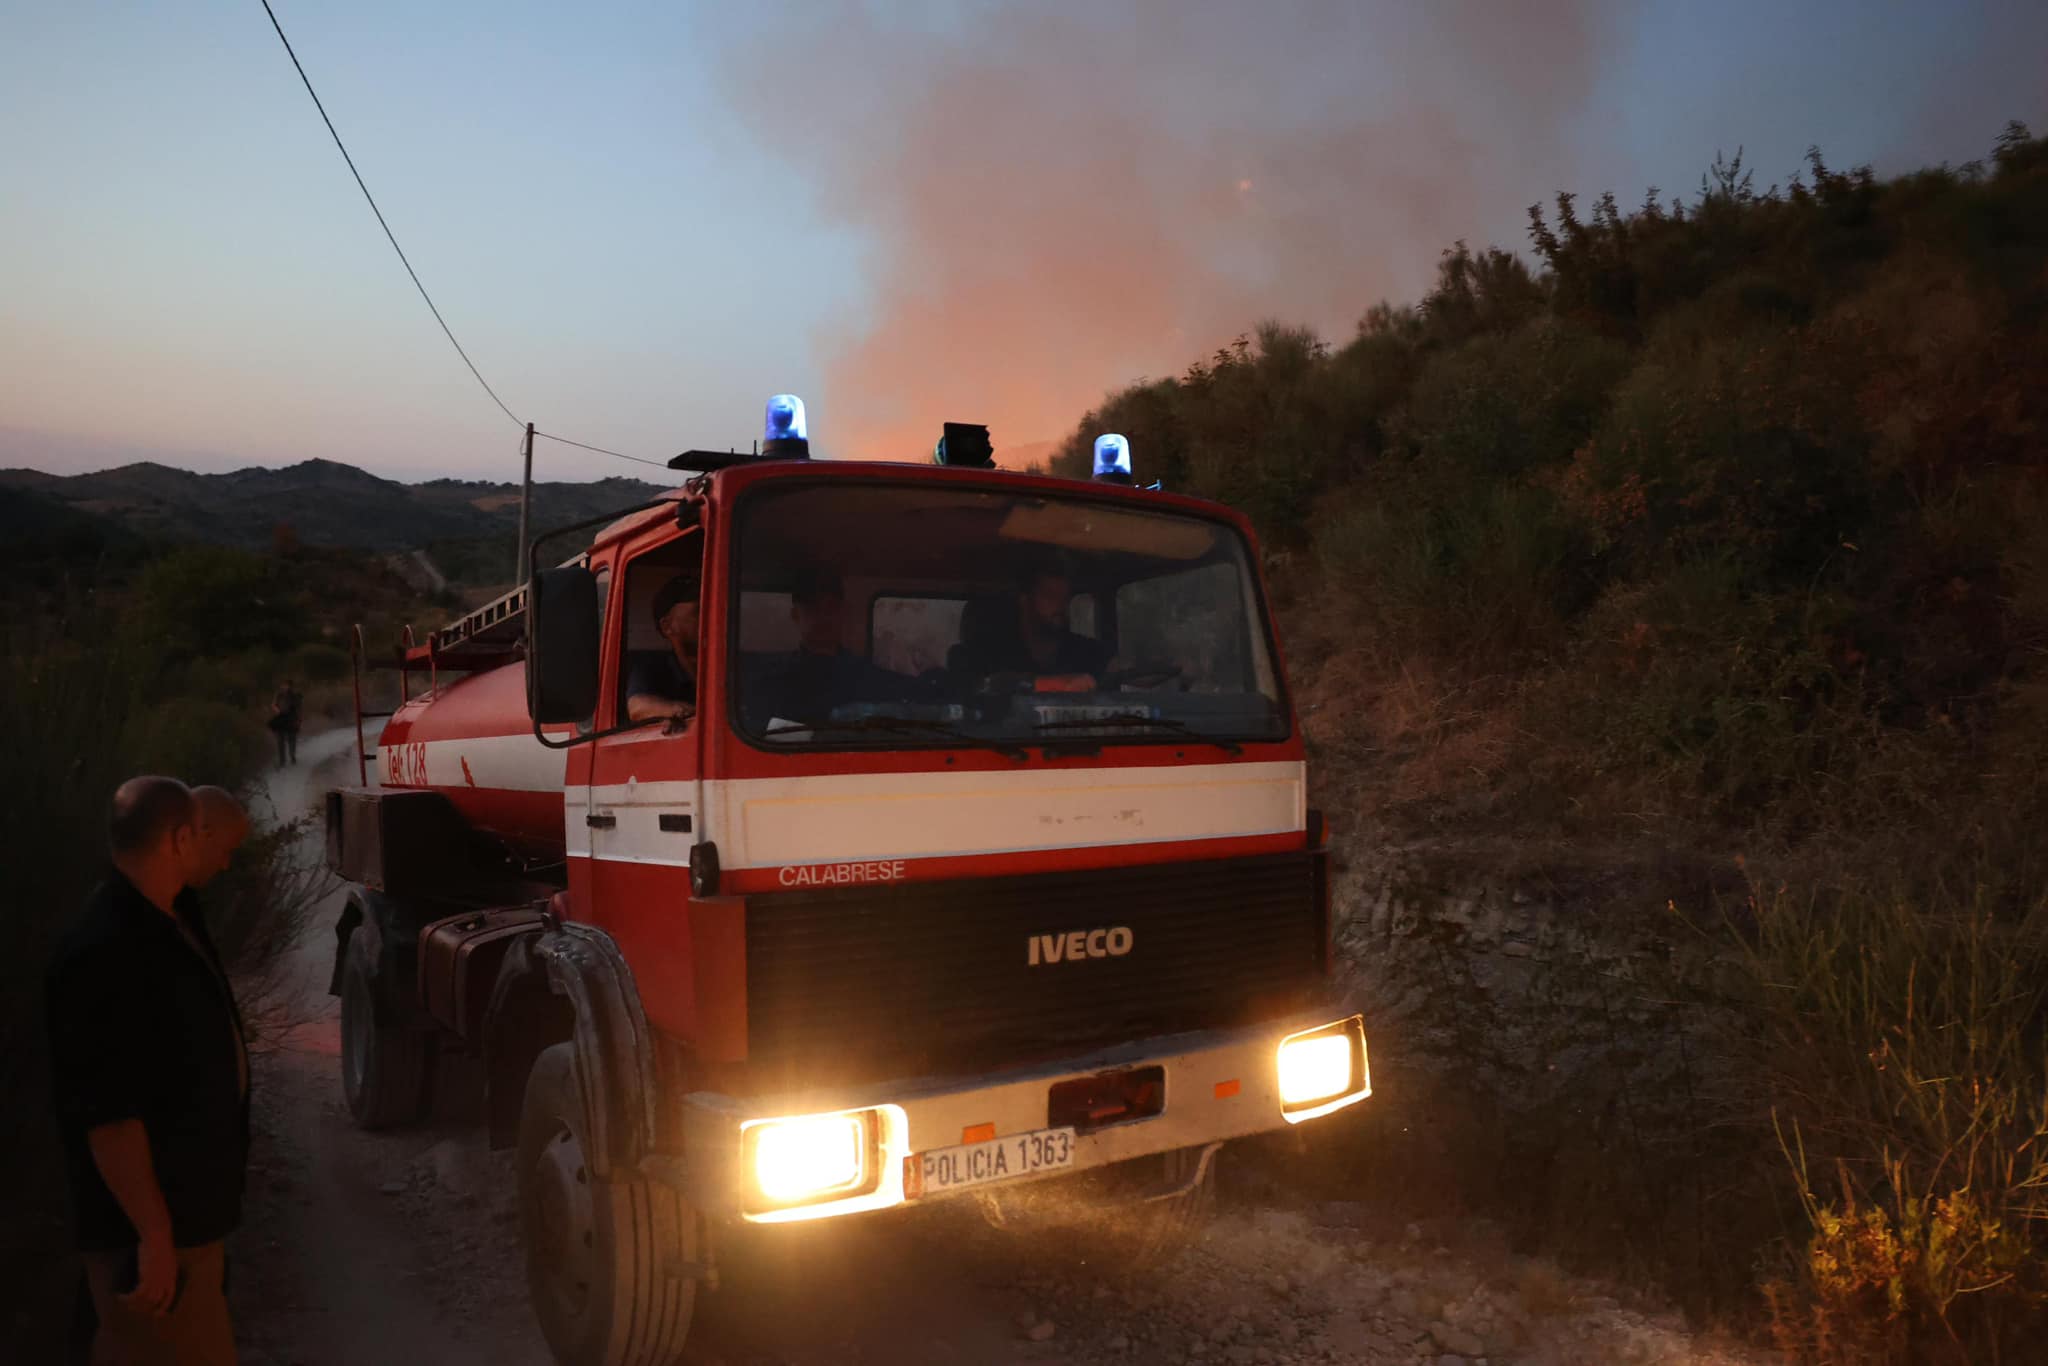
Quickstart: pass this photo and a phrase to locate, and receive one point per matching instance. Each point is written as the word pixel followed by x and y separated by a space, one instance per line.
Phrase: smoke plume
pixel 1062 198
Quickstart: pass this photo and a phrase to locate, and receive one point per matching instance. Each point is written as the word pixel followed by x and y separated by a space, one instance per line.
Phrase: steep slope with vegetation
pixel 1767 468
pixel 1714 547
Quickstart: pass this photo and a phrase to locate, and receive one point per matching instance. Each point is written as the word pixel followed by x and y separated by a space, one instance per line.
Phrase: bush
pixel 1899 1052
pixel 1710 691
pixel 93 702
pixel 1483 572
pixel 1499 406
pixel 1744 446
pixel 200 741
pixel 1722 527
pixel 319 663
pixel 208 600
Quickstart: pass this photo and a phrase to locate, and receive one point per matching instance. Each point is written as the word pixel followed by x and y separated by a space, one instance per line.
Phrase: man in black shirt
pixel 151 1081
pixel 664 682
pixel 1037 640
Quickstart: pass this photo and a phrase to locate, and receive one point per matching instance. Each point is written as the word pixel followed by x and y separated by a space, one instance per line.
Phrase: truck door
pixel 641 809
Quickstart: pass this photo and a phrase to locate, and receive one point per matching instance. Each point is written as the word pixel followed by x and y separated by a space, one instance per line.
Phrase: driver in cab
pixel 1039 641
pixel 663 683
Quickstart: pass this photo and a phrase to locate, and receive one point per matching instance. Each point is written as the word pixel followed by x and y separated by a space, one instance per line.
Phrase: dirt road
pixel 328 1270
pixel 364 1249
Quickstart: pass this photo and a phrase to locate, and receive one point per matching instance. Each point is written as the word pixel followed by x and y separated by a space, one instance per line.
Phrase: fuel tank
pixel 470 739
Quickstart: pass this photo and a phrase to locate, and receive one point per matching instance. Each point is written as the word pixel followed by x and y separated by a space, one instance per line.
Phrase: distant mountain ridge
pixel 322 502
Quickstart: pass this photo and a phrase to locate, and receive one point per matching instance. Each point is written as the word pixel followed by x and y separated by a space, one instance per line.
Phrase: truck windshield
pixel 917 615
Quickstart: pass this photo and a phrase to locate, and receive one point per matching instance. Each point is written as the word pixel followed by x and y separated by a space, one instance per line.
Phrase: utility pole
pixel 525 508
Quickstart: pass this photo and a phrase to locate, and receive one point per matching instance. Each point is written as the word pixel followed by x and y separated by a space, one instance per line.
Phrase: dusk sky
pixel 643 219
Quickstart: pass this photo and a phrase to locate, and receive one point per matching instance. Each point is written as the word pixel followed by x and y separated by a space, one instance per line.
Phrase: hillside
pixel 320 502
pixel 1667 612
pixel 1725 518
pixel 45 536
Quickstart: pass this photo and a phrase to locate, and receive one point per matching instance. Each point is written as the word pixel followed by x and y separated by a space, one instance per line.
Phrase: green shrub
pixel 198 740
pixel 93 701
pixel 1714 692
pixel 207 600
pixel 1498 406
pixel 245 680
pixel 1745 446
pixel 1721 527
pixel 1487 570
pixel 1478 293
pixel 1899 1052
pixel 319 663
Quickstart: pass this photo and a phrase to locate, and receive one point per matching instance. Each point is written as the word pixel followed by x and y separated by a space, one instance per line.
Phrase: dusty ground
pixel 363 1249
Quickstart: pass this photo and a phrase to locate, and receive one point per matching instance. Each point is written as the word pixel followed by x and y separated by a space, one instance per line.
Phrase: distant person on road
pixel 285 709
pixel 151 1077
pixel 663 683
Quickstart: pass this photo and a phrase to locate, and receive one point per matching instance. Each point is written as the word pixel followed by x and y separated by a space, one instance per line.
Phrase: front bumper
pixel 1219 1085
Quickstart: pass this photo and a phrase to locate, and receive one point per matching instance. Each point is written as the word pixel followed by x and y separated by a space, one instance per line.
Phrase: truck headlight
pixel 811 1166
pixel 809 1157
pixel 1323 1069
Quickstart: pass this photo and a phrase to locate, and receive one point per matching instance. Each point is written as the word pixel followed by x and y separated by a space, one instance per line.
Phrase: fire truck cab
pixel 981 864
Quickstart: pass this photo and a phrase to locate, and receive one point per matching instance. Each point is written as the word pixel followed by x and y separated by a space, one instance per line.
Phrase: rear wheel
pixel 386 1070
pixel 610 1265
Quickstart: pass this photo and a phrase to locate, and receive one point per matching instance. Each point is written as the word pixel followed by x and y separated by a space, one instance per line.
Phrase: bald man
pixel 151 1089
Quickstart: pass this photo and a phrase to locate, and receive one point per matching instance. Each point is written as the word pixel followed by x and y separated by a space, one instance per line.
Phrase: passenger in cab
pixel 663 683
pixel 1037 638
pixel 821 673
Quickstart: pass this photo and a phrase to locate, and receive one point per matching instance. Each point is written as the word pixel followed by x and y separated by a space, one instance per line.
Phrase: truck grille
pixel 863 983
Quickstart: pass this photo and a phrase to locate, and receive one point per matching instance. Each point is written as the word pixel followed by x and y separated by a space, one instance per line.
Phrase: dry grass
pixel 1899 1050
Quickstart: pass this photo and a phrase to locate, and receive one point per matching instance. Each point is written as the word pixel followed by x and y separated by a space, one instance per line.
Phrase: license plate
pixel 976 1164
pixel 1098 712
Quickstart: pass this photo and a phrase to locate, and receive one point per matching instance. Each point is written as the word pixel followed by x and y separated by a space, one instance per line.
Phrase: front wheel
pixel 386 1070
pixel 610 1264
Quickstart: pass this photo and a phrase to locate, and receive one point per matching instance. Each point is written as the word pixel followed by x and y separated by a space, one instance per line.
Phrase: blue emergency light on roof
pixel 783 435
pixel 785 418
pixel 1112 459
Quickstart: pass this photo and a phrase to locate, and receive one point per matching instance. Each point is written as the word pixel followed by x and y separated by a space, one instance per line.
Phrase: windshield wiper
pixel 903 725
pixel 1166 723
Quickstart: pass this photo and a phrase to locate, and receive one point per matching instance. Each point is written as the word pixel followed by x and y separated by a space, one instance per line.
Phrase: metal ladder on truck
pixel 482 638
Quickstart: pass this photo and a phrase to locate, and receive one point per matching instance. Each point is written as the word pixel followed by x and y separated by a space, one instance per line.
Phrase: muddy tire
pixel 610 1265
pixel 386 1070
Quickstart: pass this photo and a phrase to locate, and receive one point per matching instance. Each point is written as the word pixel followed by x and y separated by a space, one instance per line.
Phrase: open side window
pixel 648 660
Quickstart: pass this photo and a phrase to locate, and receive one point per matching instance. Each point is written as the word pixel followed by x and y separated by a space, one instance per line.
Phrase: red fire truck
pixel 827 837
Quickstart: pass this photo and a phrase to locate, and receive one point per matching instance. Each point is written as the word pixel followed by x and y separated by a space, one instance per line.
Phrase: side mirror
pixel 561 646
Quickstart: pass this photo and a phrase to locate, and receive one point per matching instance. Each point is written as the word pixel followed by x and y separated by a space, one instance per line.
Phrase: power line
pixel 392 238
pixel 565 441
pixel 388 234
